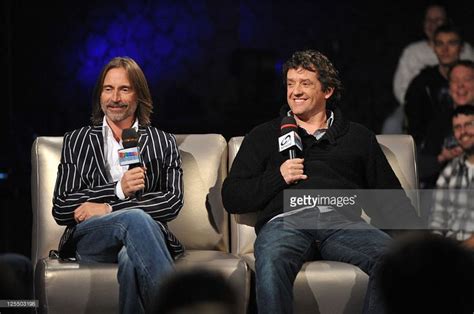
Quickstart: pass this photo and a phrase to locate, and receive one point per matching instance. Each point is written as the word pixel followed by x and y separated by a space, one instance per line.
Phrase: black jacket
pixel 428 109
pixel 346 157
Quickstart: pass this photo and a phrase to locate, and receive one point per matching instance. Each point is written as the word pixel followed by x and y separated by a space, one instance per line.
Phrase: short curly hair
pixel 465 63
pixel 315 61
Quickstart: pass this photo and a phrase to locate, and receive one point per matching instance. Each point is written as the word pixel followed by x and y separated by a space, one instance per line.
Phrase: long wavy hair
pixel 138 83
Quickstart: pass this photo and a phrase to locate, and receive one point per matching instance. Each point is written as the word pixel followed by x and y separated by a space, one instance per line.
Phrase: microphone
pixel 289 140
pixel 130 154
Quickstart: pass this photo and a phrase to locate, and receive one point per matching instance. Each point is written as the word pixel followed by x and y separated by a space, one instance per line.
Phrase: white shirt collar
pixel 106 130
pixel 112 164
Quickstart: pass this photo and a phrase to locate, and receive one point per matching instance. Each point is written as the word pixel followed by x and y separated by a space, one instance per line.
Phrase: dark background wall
pixel 213 67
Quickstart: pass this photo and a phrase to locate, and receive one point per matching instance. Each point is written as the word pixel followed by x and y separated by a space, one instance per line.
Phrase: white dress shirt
pixel 112 165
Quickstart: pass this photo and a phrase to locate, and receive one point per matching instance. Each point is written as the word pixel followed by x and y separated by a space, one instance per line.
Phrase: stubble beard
pixel 469 151
pixel 117 117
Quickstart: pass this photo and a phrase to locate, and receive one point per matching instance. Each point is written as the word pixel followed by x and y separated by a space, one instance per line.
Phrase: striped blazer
pixel 82 178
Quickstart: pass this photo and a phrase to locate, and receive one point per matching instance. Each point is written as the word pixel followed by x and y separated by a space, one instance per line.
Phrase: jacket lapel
pixel 97 142
pixel 143 139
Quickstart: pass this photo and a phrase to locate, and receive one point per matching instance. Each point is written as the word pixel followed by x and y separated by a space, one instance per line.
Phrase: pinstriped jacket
pixel 82 178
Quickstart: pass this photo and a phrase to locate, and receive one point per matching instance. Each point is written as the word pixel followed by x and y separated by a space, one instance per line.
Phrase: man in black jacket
pixel 337 154
pixel 428 106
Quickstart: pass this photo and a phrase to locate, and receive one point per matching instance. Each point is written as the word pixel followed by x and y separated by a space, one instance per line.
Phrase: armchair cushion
pixel 329 286
pixel 202 226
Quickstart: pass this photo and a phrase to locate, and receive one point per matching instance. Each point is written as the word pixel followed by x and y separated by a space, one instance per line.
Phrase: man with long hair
pixel 115 214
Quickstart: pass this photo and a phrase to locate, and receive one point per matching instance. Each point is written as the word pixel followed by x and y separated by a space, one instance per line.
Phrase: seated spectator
pixel 16 281
pixel 196 291
pixel 461 82
pixel 461 89
pixel 427 273
pixel 420 54
pixel 415 57
pixel 16 277
pixel 428 105
pixel 453 211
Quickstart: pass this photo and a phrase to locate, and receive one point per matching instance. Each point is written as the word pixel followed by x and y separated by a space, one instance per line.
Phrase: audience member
pixel 461 82
pixel 420 54
pixel 453 210
pixel 427 273
pixel 16 277
pixel 415 57
pixel 461 90
pixel 16 282
pixel 196 291
pixel 428 104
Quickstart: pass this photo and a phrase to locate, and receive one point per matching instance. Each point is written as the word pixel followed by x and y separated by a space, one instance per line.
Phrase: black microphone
pixel 289 141
pixel 130 154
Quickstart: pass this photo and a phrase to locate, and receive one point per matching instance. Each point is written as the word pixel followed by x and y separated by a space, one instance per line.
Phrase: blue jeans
pixel 282 246
pixel 134 240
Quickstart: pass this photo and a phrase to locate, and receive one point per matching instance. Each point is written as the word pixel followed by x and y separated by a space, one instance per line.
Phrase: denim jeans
pixel 134 240
pixel 282 246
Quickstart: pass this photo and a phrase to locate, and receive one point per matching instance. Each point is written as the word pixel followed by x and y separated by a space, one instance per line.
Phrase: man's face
pixel 435 16
pixel 447 47
pixel 304 93
pixel 118 100
pixel 461 85
pixel 463 127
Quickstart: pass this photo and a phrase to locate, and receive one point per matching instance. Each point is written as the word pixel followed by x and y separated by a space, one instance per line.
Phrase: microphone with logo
pixel 289 141
pixel 130 154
